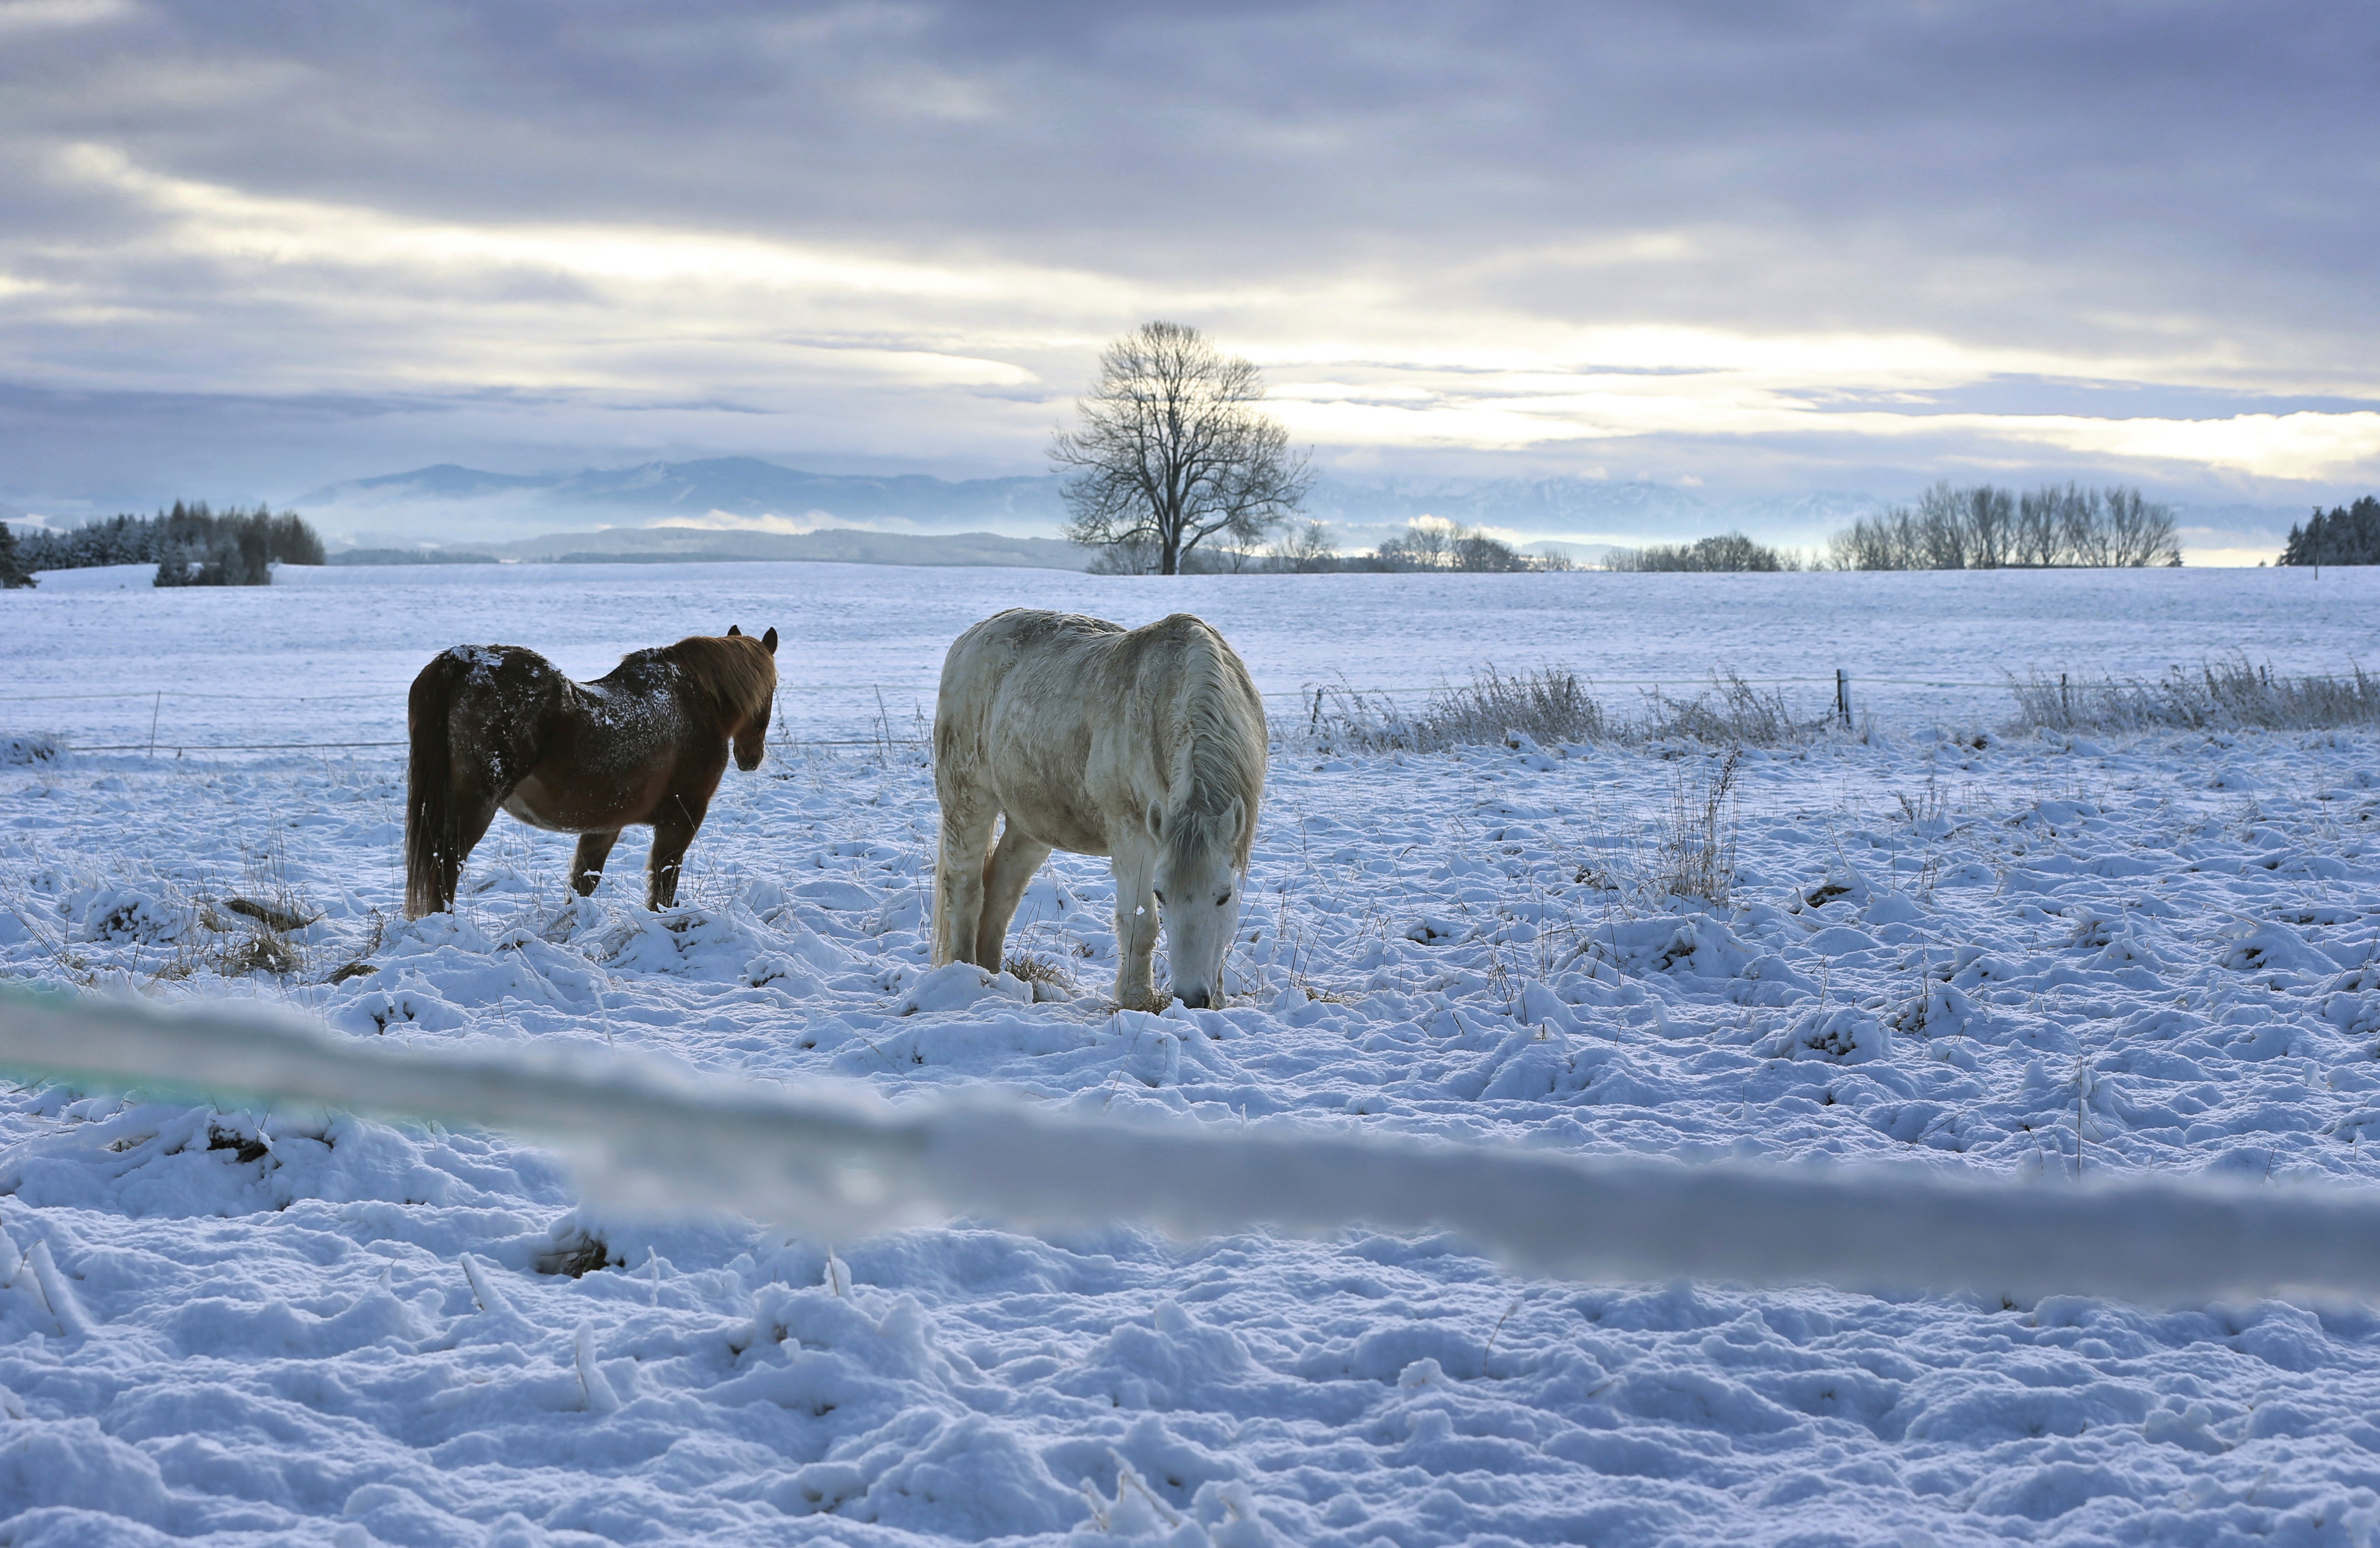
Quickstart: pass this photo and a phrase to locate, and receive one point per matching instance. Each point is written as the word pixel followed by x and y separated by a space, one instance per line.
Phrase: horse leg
pixel 473 812
pixel 1013 864
pixel 674 827
pixel 1136 922
pixel 587 866
pixel 967 819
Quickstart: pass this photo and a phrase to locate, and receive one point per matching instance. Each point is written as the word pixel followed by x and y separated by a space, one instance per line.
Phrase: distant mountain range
pixel 448 504
pixel 721 492
pixel 745 507
pixel 674 544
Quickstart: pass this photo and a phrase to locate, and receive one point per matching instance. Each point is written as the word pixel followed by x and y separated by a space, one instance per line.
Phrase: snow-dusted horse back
pixel 1147 745
pixel 497 726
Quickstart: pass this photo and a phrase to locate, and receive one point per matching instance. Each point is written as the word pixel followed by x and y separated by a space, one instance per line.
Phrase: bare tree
pixel 1428 543
pixel 2084 537
pixel 1174 449
pixel 1302 550
pixel 2140 532
pixel 2041 523
pixel 1991 526
pixel 1942 532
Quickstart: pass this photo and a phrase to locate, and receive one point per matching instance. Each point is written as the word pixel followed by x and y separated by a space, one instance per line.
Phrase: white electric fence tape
pixel 837 1160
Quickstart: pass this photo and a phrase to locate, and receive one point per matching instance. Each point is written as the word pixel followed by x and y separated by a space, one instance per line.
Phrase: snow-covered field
pixel 325 654
pixel 2026 958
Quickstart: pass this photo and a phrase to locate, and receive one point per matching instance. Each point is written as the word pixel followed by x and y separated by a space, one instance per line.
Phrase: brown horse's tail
pixel 433 861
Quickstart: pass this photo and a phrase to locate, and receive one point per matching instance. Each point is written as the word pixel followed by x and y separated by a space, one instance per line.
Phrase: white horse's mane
pixel 1215 764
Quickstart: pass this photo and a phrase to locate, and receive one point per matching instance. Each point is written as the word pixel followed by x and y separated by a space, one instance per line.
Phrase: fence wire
pixel 836 1159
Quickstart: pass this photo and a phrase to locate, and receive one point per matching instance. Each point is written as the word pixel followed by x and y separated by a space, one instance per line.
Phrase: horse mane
pixel 1219 761
pixel 734 670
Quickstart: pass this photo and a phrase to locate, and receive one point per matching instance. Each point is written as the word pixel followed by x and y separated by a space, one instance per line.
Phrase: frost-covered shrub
pixel 28 747
pixel 2220 696
pixel 1546 707
pixel 1730 713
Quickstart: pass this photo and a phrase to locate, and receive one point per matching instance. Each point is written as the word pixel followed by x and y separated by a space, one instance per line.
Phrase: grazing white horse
pixel 1147 745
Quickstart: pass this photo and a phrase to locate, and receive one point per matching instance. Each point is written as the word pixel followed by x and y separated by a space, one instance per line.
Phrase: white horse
pixel 1147 745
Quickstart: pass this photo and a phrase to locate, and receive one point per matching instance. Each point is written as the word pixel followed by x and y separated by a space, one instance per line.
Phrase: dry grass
pixel 2220 696
pixel 1550 707
pixel 1695 855
pixel 1036 970
pixel 1730 713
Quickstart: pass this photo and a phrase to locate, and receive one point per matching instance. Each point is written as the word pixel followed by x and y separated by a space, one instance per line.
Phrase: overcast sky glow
pixel 247 247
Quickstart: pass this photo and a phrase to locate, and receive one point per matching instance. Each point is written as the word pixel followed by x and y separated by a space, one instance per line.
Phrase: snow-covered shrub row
pixel 1527 710
pixel 2019 959
pixel 2220 696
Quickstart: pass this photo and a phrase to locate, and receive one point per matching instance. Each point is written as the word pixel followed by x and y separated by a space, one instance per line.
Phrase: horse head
pixel 750 738
pixel 1198 882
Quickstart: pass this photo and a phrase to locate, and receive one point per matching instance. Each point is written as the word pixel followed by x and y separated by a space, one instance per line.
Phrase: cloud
pixel 1767 246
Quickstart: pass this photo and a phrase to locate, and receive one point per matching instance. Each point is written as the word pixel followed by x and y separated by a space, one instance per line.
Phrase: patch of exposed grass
pixel 577 1255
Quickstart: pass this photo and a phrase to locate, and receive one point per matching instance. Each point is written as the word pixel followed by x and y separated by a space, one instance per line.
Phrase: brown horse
pixel 496 727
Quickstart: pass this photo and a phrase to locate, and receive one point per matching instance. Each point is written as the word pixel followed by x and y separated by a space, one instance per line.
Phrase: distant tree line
pixel 1430 543
pixel 2348 534
pixel 13 575
pixel 1728 551
pixel 1984 528
pixel 1434 543
pixel 189 544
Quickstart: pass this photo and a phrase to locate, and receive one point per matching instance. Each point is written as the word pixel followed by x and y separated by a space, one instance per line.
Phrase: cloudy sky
pixel 248 246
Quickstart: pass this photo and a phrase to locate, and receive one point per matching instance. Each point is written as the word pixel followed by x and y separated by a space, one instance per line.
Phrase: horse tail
pixel 430 839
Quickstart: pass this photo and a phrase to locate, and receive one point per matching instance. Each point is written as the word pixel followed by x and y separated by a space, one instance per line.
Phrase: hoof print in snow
pixel 956 985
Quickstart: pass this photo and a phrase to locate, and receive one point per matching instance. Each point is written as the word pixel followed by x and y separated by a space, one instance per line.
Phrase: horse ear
pixel 1235 816
pixel 733 631
pixel 1156 821
pixel 768 640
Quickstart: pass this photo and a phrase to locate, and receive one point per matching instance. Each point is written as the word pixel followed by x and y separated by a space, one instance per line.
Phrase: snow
pixel 2149 958
pixel 835 1161
pixel 860 640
